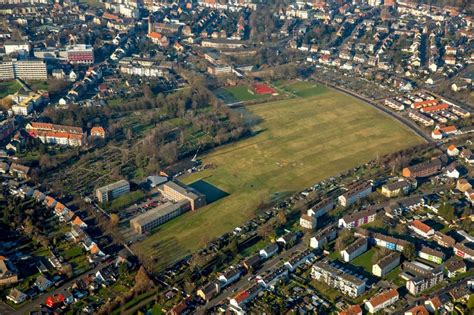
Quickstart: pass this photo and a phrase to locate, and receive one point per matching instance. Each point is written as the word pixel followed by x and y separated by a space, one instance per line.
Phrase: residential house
pixel 463 185
pixel 424 169
pixel 417 310
pixel 229 276
pixel 453 171
pixel 386 264
pixel 355 193
pixel 433 304
pixel 308 221
pixel 8 272
pixel 245 296
pixel 56 134
pixel 463 251
pixel 78 221
pixel 19 171
pixel 382 301
pixel 288 240
pixel 323 237
pixel 252 262
pixel 431 255
pixel 43 283
pixel 421 228
pixel 321 208
pixel 452 150
pixel 269 250
pixel 455 266
pixel 355 249
pixel 352 310
pixel 401 187
pixel 443 239
pixel 338 278
pixel 208 291
pixel 358 218
pixel 298 259
pixel 421 283
pixel 4 167
pixel 16 296
pixel 470 196
pixel 98 132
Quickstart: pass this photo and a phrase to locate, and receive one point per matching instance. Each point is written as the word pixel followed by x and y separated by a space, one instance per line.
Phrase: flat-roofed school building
pixel 112 191
pixel 155 217
pixel 177 191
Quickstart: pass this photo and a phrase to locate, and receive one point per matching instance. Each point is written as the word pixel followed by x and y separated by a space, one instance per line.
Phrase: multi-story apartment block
pixel 336 278
pixel 323 237
pixel 443 239
pixel 321 208
pixel 423 169
pixel 355 249
pixel 112 191
pixel 416 116
pixel 57 134
pixel 177 191
pixel 356 193
pixel 159 215
pixel 382 240
pixel 386 264
pixel 463 251
pixel 431 255
pixel 359 218
pixel 401 187
pixel 422 283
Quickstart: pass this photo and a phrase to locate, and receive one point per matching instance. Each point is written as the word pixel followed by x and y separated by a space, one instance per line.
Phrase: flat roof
pixel 184 189
pixel 113 186
pixel 157 212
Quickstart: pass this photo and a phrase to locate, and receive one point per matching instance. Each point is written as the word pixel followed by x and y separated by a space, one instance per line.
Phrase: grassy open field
pixel 9 87
pixel 238 93
pixel 301 141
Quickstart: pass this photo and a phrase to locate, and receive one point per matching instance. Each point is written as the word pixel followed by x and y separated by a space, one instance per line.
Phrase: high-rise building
pixel 30 69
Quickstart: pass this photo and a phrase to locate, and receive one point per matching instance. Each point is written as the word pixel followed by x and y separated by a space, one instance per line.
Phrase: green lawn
pixel 9 87
pixel 302 141
pixel 365 260
pixel 301 88
pixel 238 93
pixel 127 199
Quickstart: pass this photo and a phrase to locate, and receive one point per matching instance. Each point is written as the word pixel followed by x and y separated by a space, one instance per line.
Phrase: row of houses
pixel 61 134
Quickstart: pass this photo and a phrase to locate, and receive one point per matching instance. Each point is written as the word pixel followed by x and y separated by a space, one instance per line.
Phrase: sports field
pixel 302 140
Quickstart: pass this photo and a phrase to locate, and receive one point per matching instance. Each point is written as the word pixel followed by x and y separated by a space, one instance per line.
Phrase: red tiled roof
pixel 435 108
pixel 436 302
pixel 383 297
pixel 448 129
pixel 154 35
pixel 421 226
pixel 97 130
pixel 353 310
pixel 417 310
pixel 242 296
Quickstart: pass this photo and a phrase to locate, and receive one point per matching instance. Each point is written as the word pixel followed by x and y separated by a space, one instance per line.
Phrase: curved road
pixel 407 122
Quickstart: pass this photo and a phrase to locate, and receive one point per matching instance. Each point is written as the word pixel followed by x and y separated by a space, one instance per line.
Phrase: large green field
pixel 9 87
pixel 301 141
